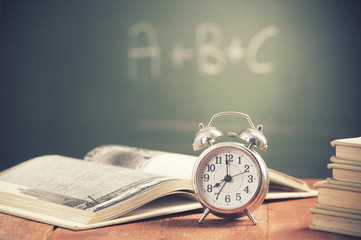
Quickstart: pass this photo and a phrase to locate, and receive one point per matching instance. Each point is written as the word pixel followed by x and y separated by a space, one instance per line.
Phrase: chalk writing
pixel 179 54
pixel 211 58
pixel 152 51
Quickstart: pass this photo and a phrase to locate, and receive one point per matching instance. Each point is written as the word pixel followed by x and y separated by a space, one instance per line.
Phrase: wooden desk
pixel 285 219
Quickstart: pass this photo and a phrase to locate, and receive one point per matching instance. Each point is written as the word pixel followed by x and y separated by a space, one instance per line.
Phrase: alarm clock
pixel 230 179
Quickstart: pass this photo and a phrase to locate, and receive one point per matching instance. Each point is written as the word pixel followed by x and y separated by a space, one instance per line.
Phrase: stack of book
pixel 338 208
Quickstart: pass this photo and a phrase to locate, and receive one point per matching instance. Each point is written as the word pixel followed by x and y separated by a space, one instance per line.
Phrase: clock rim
pixel 257 198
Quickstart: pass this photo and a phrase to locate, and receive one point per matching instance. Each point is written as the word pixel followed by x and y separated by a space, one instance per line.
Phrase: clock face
pixel 227 178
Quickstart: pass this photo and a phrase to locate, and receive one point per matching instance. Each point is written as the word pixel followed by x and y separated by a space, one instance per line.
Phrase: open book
pixel 112 185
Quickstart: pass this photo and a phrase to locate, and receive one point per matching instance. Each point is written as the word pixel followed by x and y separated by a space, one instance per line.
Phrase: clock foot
pixel 249 214
pixel 205 213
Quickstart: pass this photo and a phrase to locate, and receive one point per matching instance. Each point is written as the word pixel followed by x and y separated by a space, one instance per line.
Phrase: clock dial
pixel 227 178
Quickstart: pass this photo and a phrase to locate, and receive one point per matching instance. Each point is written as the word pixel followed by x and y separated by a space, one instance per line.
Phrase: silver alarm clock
pixel 230 179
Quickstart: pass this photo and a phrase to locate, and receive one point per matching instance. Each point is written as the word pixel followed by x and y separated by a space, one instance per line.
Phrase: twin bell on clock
pixel 230 179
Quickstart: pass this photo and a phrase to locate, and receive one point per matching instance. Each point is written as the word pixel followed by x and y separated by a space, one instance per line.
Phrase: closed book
pixel 348 148
pixel 345 172
pixel 339 194
pixel 335 221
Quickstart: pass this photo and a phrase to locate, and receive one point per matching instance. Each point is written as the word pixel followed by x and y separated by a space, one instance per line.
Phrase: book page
pixel 156 162
pixel 76 183
pixel 181 166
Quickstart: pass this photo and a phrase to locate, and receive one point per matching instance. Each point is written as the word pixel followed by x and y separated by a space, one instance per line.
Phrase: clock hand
pixel 238 174
pixel 218 183
pixel 226 178
pixel 220 190
pixel 227 166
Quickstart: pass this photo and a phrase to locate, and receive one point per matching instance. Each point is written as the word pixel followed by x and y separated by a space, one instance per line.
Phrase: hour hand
pixel 218 183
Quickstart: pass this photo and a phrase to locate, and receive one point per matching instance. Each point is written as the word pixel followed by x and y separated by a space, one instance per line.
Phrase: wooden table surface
pixel 282 219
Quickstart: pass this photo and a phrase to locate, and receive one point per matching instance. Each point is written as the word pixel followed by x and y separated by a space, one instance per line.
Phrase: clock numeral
pixel 238 197
pixel 239 160
pixel 206 177
pixel 246 168
pixel 246 190
pixel 250 178
pixel 209 188
pixel 219 160
pixel 227 199
pixel 211 167
pixel 229 157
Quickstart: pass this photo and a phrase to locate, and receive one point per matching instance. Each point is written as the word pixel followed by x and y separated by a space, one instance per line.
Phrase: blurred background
pixel 75 75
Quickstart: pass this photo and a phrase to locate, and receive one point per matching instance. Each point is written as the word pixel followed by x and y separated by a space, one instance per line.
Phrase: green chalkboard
pixel 79 74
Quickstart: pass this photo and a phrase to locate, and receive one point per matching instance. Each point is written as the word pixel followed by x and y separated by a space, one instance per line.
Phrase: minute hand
pixel 220 190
